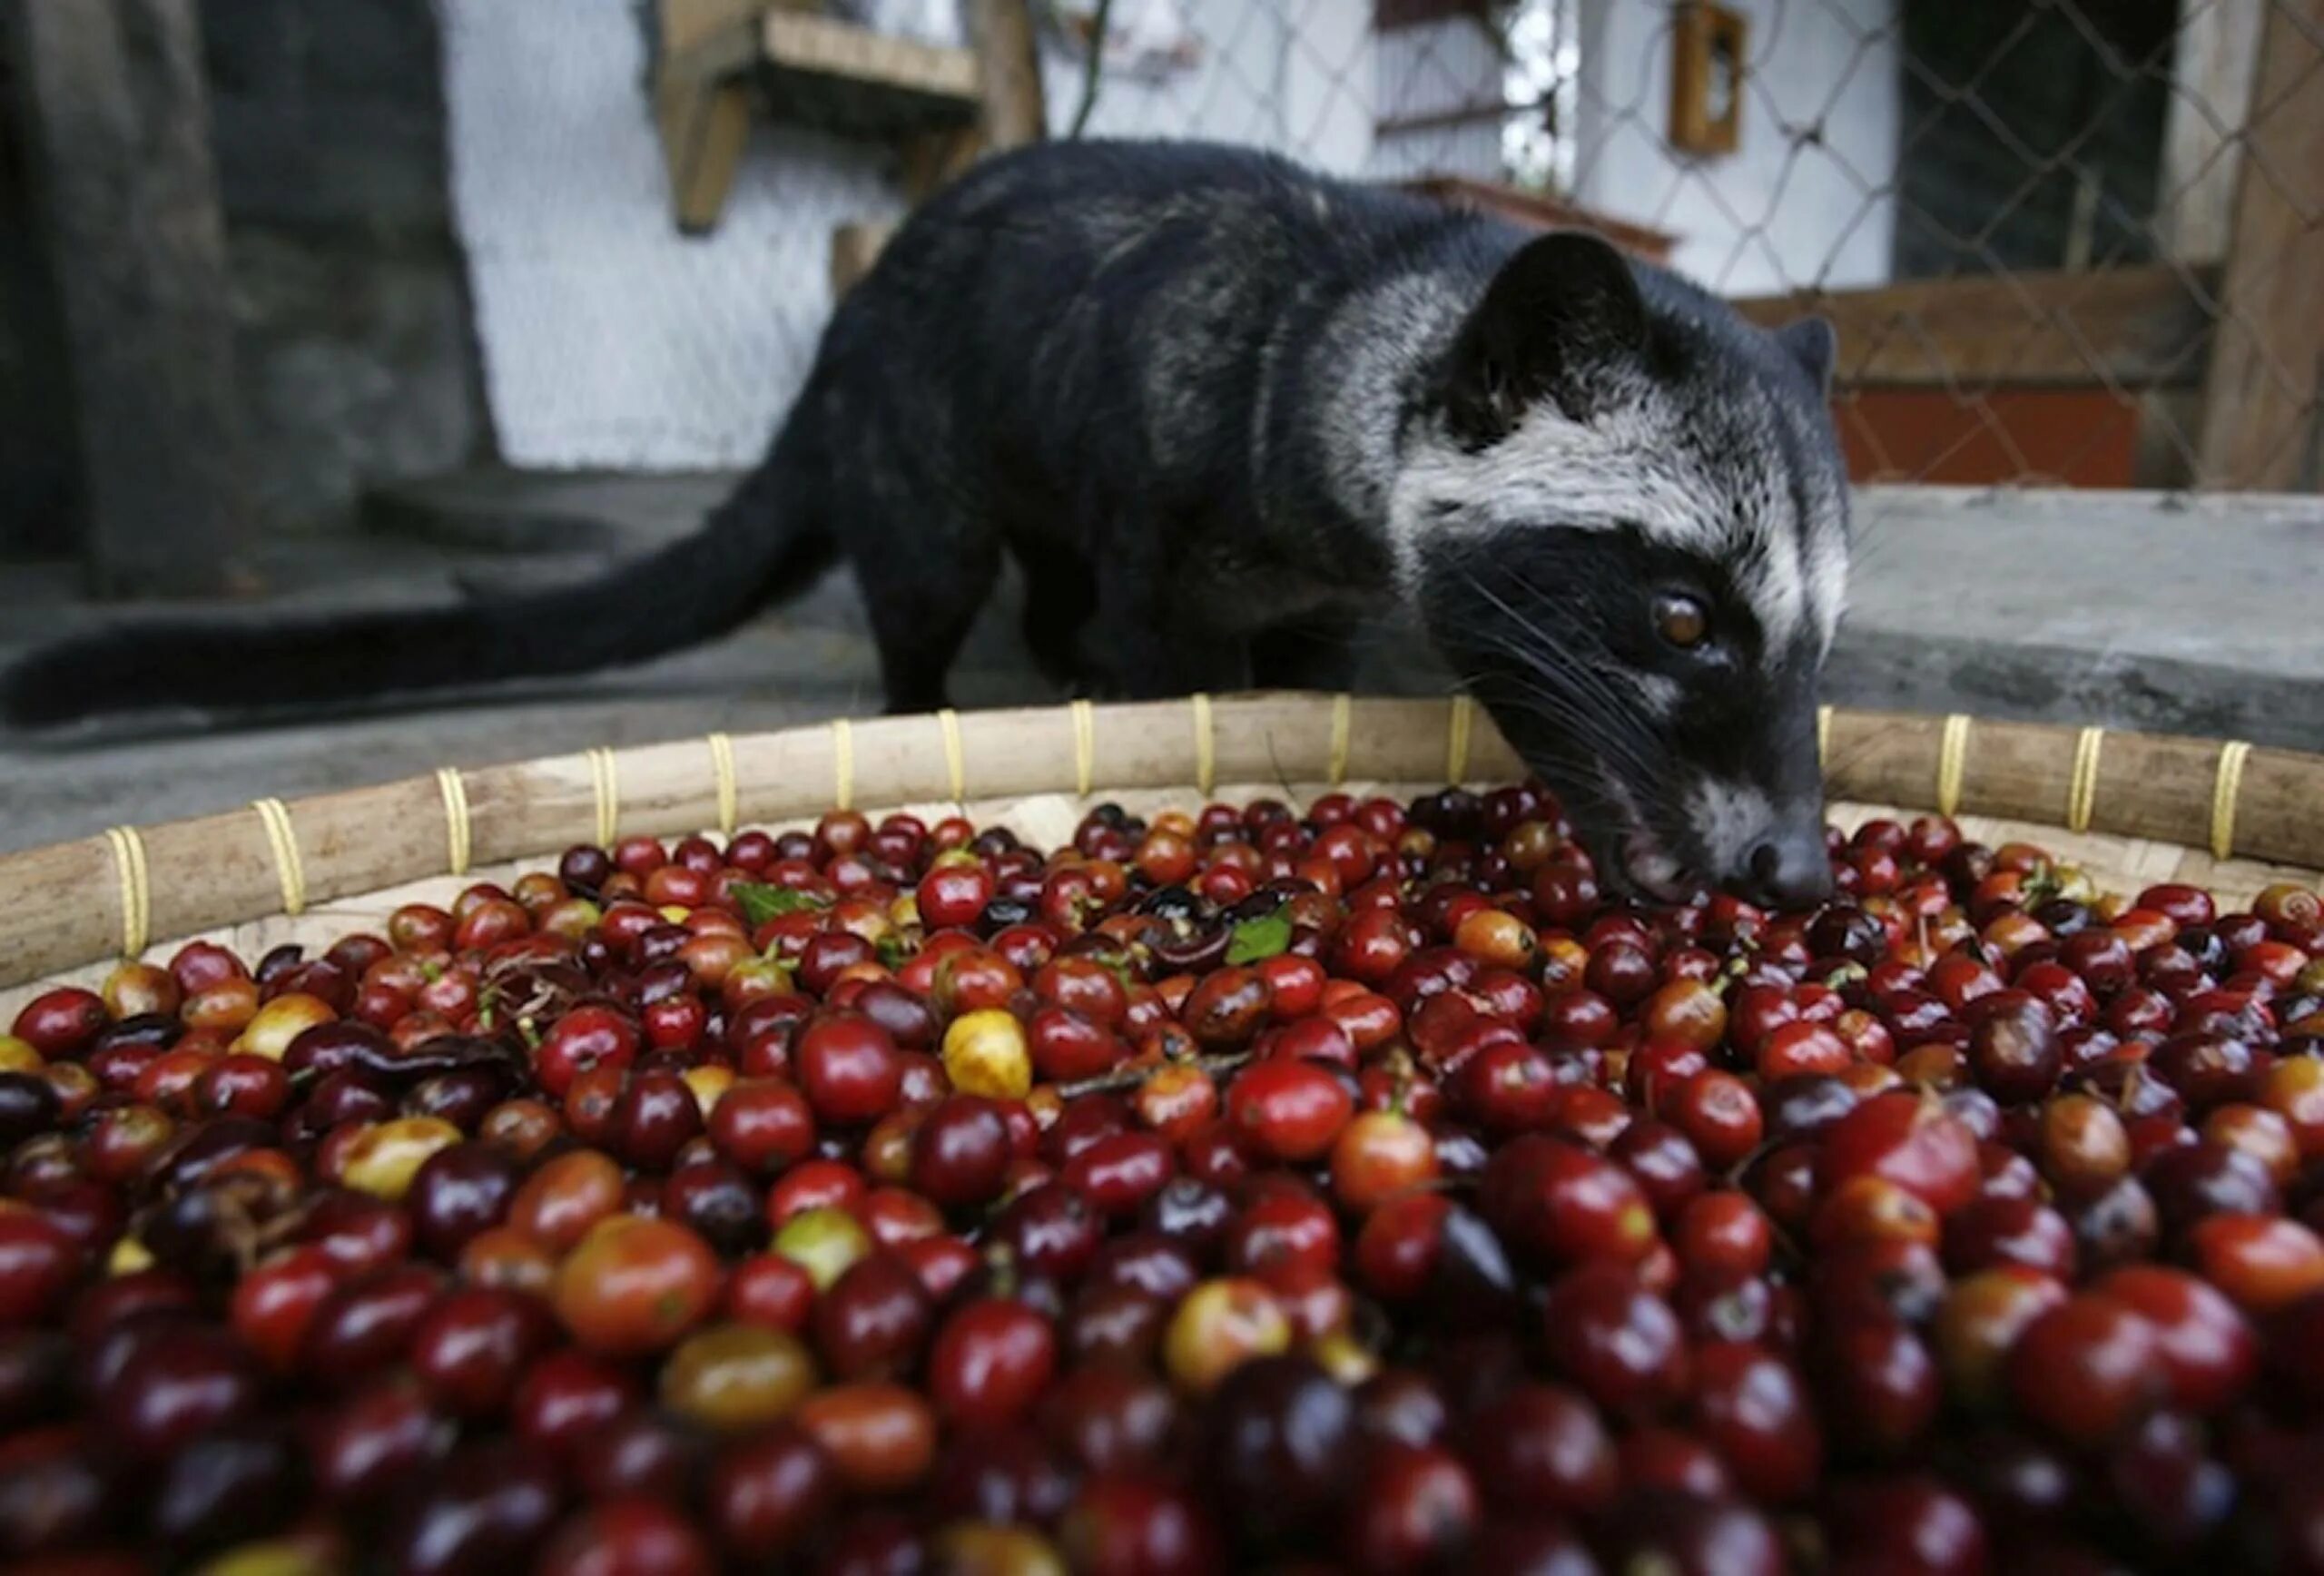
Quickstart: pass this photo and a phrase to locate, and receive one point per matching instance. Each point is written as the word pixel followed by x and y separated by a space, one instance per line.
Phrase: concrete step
pixel 2166 612
pixel 2147 611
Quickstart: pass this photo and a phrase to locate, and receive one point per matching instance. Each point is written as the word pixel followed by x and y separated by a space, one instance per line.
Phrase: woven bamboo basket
pixel 2129 809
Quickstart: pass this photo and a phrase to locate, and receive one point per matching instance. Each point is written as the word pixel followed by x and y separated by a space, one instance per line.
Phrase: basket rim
pixel 124 890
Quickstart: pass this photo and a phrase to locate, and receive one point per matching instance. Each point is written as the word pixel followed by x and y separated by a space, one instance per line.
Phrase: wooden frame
pixel 2141 809
pixel 2134 328
pixel 116 109
pixel 720 62
pixel 1709 57
pixel 2263 394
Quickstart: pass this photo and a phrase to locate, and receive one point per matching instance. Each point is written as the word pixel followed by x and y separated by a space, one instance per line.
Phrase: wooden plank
pixel 1009 71
pixel 2131 327
pixel 1011 106
pixel 855 247
pixel 932 159
pixel 2260 402
pixel 704 129
pixel 688 26
pixel 39 513
pixel 803 40
pixel 2214 60
pixel 118 117
pixel 702 107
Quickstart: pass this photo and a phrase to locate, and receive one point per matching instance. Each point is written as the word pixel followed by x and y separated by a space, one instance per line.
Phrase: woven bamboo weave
pixel 2129 809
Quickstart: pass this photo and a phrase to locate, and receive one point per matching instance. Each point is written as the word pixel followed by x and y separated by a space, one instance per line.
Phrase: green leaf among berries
pixel 1256 939
pixel 762 903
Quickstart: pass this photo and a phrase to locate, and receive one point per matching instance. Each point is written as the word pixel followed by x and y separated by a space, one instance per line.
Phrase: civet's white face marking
pixel 1551 470
pixel 1705 478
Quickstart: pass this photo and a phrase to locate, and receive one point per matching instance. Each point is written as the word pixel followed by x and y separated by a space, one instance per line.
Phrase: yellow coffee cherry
pixel 1220 1326
pixel 382 1160
pixel 825 1243
pixel 710 1081
pixel 985 1054
pixel 269 1032
pixel 989 1549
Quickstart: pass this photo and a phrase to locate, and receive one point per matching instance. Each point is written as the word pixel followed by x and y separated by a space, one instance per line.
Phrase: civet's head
pixel 1623 516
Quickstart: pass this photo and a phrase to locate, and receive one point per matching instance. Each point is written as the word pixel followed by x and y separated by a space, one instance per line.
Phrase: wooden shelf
pixel 721 62
pixel 836 76
pixel 2137 328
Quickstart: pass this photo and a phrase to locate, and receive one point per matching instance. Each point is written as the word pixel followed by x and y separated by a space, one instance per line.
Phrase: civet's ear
pixel 1562 307
pixel 1815 344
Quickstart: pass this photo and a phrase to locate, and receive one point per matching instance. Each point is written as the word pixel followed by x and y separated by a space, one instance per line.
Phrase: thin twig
pixel 1130 1078
pixel 1099 20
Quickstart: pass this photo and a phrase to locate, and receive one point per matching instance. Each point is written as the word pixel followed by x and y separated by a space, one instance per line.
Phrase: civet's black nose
pixel 1789 868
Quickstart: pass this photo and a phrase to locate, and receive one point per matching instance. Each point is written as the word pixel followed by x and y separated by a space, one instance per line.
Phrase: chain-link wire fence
pixel 2065 241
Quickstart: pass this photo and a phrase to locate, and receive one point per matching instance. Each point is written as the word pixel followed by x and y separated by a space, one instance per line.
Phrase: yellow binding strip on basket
pixel 842 763
pixel 1343 708
pixel 955 771
pixel 2226 788
pixel 721 768
pixel 2081 790
pixel 456 840
pixel 604 779
pixel 1205 746
pixel 288 871
pixel 1085 746
pixel 1823 738
pixel 1952 761
pixel 136 891
pixel 1456 742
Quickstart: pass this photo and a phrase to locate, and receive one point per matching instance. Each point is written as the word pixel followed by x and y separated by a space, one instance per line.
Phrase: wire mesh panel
pixel 2065 240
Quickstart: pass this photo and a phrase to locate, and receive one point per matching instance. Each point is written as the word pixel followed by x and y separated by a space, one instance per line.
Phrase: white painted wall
pixel 1775 214
pixel 609 340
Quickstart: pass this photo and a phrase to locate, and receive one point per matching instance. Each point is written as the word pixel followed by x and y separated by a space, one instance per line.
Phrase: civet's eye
pixel 1681 620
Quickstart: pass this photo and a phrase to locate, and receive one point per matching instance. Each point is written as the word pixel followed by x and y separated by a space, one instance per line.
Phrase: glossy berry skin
pixel 769 1493
pixel 1543 1449
pixel 1907 1140
pixel 1753 1409
pixel 474 1345
pixel 1288 1110
pixel 1415 1504
pixel 990 1362
pixel 38 1262
pixel 2087 1369
pixel 849 1068
pixel 2206 1344
pixel 961 1152
pixel 635 1285
pixel 873 1320
pixel 627 1536
pixel 1617 1341
pixel 1558 1200
pixel 898 1197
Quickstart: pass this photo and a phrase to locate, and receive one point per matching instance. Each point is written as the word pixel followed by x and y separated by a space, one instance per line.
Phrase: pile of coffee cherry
pixel 1370 1191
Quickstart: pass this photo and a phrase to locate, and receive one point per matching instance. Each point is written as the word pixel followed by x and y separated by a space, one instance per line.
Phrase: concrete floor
pixel 2146 611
